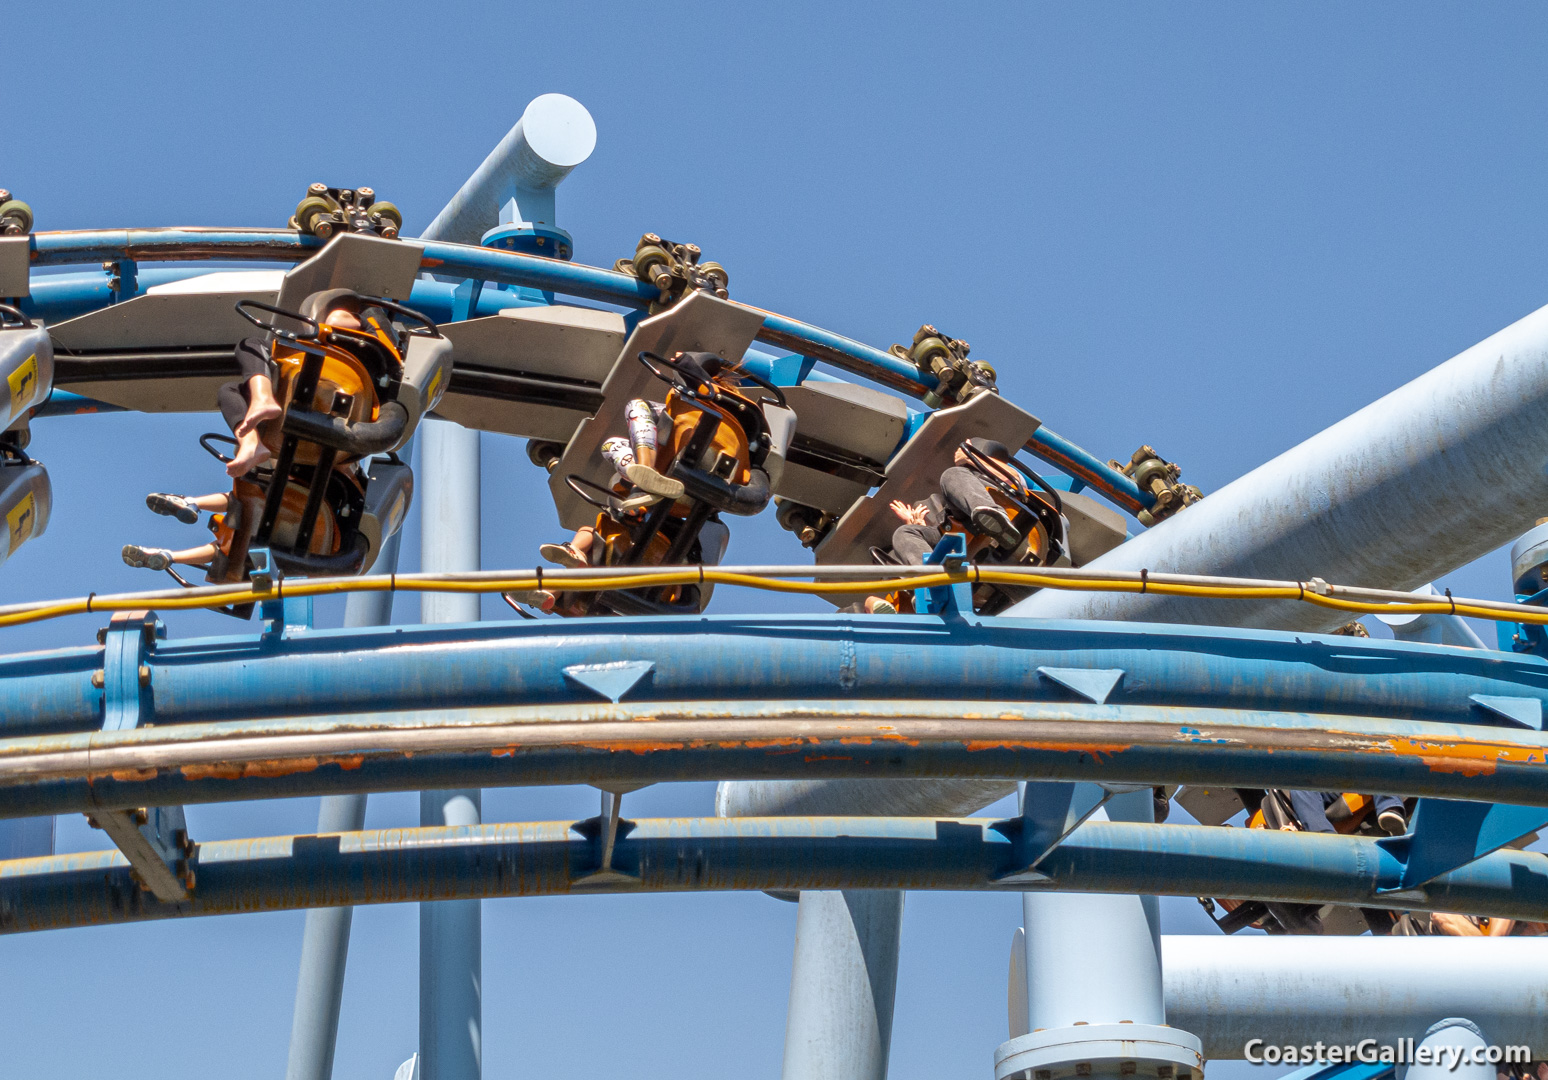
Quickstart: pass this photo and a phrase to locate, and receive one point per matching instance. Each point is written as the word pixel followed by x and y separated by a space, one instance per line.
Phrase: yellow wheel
pixel 311 208
pixel 19 212
pixel 388 212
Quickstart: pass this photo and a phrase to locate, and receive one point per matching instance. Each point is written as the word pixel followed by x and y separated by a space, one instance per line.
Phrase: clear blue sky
pixel 1217 228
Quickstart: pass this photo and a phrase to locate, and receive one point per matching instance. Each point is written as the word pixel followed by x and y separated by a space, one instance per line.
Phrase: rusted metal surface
pixel 689 854
pixel 833 738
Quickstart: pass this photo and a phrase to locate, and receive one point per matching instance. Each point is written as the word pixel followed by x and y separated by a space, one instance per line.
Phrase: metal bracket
pixel 949 601
pixel 155 841
pixel 1049 813
pixel 123 279
pixel 465 299
pixel 125 678
pixel 1447 834
pixel 604 831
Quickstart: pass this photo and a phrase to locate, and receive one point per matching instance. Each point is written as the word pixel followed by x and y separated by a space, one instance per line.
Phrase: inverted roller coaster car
pixel 1349 814
pixel 26 371
pixel 26 499
pixel 716 455
pixel 346 394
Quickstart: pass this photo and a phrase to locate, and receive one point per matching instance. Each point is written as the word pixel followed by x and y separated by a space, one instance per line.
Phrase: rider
pixel 245 404
pixel 965 495
pixel 633 460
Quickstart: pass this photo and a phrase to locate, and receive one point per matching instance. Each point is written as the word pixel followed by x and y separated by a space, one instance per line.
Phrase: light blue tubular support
pixel 450 934
pixel 314 1029
pixel 1095 996
pixel 515 184
pixel 1294 990
pixel 1452 1049
pixel 843 985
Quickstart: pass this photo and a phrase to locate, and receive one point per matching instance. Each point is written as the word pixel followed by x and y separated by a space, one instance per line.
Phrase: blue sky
pixel 1216 228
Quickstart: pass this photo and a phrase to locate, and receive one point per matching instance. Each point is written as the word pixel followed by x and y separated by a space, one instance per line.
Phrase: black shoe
pixel 993 523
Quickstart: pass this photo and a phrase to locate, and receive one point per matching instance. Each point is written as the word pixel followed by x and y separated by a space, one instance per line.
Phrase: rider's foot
pixel 541 599
pixel 261 411
pixel 251 452
pixel 148 558
pixel 178 506
pixel 877 606
pixel 1392 822
pixel 996 525
pixel 565 555
pixel 647 479
pixel 638 501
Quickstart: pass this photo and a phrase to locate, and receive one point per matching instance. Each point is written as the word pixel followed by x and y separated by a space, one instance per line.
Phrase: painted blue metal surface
pixel 485 705
pixel 1446 834
pixel 550 858
pixel 748 658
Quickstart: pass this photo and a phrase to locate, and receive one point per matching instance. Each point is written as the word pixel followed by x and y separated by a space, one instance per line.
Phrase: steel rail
pixel 795 739
pixel 698 659
pixel 743 854
pixel 571 279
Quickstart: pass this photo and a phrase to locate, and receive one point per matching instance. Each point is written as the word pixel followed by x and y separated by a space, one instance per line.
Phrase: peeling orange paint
pixel 231 770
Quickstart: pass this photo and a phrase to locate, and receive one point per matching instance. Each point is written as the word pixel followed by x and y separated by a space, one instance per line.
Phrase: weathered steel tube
pixel 1437 473
pixel 830 738
pixel 552 858
pixel 1294 991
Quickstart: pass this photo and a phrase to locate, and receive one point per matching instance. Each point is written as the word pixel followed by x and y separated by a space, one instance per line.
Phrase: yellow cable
pixel 662 578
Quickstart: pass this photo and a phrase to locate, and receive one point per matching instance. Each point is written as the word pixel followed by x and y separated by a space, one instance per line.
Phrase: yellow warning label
pixel 24 382
pixel 435 384
pixel 20 520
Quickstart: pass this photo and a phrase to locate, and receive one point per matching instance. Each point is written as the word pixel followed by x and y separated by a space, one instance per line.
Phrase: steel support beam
pixel 1095 1003
pixel 1354 503
pixel 1292 991
pixel 450 934
pixel 843 985
pixel 314 1027
pixel 780 854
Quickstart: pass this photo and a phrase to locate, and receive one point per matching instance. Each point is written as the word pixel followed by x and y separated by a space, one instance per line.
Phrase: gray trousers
pixel 963 491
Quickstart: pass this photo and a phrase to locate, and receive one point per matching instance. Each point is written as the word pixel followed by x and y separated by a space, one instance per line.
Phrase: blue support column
pixel 450 942
pixel 843 984
pixel 1095 1000
pixel 314 1028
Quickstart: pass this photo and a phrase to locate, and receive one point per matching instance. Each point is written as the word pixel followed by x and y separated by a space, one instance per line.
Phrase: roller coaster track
pixel 140 722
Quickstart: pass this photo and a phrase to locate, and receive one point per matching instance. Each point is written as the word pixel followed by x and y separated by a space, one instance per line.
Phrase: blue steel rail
pixel 139 722
pixel 79 293
pixel 695 854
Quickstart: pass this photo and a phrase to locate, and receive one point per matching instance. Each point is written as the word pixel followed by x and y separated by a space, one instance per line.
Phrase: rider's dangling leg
pixel 650 427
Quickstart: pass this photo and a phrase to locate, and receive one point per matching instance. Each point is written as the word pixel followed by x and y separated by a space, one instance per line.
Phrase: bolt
pixel 144 674
pixel 99 678
pixel 317 189
pixel 93 822
pixel 141 816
